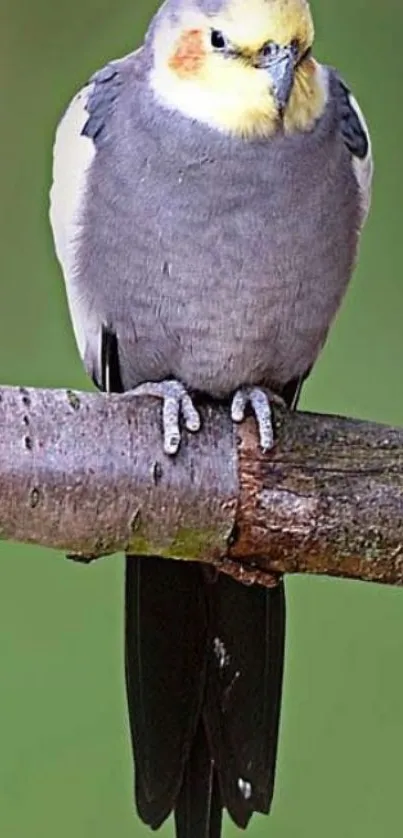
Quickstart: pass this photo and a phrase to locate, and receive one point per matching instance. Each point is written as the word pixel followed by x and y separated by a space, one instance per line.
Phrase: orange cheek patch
pixel 189 55
pixel 308 67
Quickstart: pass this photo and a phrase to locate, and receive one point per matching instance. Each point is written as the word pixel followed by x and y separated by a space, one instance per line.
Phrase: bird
pixel 208 197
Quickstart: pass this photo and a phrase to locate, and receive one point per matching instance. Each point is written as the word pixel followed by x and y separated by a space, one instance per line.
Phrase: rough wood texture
pixel 328 500
pixel 85 473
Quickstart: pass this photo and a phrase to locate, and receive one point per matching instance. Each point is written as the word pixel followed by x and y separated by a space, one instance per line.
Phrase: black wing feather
pixel 104 89
pixel 354 133
pixel 111 381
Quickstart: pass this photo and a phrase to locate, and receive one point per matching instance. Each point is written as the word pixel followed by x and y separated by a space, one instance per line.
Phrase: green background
pixel 65 766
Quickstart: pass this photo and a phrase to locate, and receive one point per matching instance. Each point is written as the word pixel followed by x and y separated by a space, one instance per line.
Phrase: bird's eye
pixel 270 49
pixel 217 39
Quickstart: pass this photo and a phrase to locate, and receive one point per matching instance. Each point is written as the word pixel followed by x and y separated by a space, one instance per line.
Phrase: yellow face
pixel 246 70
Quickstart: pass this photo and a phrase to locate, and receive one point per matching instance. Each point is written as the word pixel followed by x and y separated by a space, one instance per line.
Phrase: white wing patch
pixel 363 167
pixel 72 157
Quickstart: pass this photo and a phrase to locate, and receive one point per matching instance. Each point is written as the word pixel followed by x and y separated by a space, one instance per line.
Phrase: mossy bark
pixel 85 473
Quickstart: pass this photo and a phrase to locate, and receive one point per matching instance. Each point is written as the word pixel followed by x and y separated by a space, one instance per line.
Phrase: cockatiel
pixel 208 195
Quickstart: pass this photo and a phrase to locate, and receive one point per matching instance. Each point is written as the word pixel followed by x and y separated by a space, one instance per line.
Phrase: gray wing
pixel 356 136
pixel 81 132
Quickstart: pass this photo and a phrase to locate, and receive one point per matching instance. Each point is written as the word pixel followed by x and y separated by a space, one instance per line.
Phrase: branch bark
pixel 85 473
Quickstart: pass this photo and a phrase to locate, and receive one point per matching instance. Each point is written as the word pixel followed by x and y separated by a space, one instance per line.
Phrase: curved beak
pixel 281 70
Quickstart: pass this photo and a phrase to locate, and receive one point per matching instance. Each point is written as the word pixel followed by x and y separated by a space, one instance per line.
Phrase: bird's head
pixel 241 66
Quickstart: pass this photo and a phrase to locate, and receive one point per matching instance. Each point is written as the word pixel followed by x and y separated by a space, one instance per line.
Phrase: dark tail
pixel 198 808
pixel 204 663
pixel 204 668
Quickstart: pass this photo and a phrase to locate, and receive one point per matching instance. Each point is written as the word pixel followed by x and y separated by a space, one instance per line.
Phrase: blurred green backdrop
pixel 65 766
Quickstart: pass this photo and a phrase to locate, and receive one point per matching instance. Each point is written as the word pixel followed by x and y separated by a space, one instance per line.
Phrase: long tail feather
pixel 165 675
pixel 243 692
pixel 204 660
pixel 198 810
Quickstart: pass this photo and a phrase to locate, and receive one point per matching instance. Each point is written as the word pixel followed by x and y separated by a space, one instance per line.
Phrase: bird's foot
pixel 259 399
pixel 176 403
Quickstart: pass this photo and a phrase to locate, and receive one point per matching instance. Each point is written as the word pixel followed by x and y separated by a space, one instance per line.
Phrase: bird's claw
pixel 176 403
pixel 260 401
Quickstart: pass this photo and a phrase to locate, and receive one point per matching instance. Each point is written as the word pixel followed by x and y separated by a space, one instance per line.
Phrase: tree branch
pixel 85 473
